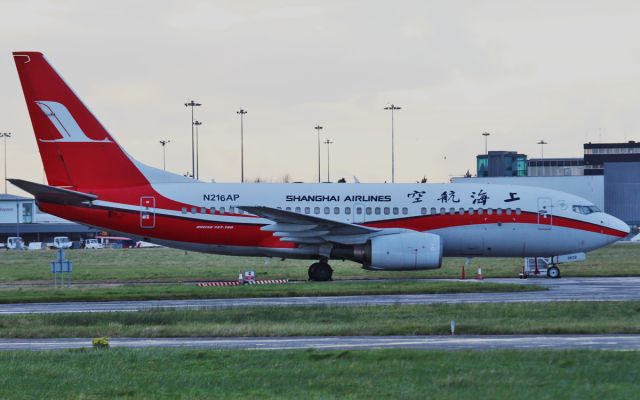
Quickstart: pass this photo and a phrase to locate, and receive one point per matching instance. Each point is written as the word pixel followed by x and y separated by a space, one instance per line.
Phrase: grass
pixel 169 265
pixel 175 291
pixel 361 374
pixel 471 319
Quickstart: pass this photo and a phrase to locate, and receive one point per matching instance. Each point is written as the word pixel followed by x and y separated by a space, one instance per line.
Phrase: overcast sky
pixel 563 71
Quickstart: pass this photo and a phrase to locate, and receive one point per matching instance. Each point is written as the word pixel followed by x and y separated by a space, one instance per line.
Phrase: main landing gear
pixel 321 271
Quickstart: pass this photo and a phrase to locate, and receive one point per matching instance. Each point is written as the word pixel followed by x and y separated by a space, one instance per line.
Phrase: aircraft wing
pixel 309 229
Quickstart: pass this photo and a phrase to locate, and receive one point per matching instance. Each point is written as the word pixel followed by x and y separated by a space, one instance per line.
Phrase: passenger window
pixel 359 210
pixel 405 211
pixel 316 210
pixel 499 211
pixel 387 211
pixel 518 211
pixel 423 211
pixel 452 211
pixel 347 210
pixel 336 210
pixel 368 210
pixel 307 210
pixel 508 211
pixel 288 208
pixel 298 209
pixel 377 210
pixel 212 210
pixel 490 211
pixel 327 210
pixel 221 210
pixel 443 211
pixel 395 210
pixel 471 210
pixel 184 210
pixel 461 211
pixel 194 210
pixel 203 210
pixel 480 211
pixel 232 210
pixel 433 211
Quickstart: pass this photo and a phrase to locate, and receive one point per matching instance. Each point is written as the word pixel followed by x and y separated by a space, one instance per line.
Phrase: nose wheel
pixel 320 271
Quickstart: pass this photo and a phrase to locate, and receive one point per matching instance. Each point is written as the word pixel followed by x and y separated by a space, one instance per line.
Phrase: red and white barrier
pixel 236 283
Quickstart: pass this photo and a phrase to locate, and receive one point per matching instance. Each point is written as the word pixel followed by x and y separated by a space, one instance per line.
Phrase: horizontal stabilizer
pixel 52 194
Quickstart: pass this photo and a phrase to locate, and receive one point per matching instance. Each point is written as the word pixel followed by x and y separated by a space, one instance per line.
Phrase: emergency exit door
pixel 147 212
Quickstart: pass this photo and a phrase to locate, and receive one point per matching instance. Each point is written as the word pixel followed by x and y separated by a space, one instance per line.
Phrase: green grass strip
pixel 190 291
pixel 370 374
pixel 517 318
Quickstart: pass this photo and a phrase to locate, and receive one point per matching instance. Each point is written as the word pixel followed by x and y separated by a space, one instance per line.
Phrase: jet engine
pixel 400 251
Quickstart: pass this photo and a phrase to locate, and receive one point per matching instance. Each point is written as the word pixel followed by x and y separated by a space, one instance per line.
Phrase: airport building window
pixel 336 210
pixel 368 210
pixel 405 211
pixel 327 210
pixel 387 211
pixel 347 210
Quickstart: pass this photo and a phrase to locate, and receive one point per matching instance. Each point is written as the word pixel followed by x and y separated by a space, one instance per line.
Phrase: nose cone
pixel 618 225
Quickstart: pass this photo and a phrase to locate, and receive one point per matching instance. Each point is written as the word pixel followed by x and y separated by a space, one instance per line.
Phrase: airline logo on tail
pixel 64 122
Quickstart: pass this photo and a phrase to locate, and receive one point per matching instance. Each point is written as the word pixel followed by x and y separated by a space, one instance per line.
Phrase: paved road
pixel 600 342
pixel 566 289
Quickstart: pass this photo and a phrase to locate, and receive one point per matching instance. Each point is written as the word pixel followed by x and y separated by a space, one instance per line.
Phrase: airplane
pixel 95 182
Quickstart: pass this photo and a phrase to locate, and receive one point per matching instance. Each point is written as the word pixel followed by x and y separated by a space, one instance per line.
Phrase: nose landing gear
pixel 321 271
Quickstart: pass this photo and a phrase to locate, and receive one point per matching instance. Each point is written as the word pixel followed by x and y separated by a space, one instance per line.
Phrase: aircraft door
pixel 358 213
pixel 545 214
pixel 147 212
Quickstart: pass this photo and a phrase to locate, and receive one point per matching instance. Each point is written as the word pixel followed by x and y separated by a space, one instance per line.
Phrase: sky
pixel 567 72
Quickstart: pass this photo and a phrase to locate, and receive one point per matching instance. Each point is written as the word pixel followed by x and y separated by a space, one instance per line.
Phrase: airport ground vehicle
pixel 93 181
pixel 61 242
pixel 15 243
pixel 93 244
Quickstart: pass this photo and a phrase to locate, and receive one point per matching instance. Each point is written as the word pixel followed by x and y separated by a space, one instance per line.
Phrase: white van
pixel 36 246
pixel 93 244
pixel 61 242
pixel 15 243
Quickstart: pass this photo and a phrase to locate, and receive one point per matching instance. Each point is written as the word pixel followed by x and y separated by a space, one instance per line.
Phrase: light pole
pixel 393 107
pixel 164 154
pixel 318 128
pixel 486 135
pixel 542 143
pixel 5 135
pixel 197 124
pixel 192 104
pixel 328 143
pixel 241 112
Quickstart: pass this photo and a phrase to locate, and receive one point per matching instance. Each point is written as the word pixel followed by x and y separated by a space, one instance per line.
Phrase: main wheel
pixel 321 272
pixel 553 272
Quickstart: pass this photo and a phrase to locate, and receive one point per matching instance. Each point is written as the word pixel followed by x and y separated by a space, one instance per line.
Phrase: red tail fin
pixel 76 150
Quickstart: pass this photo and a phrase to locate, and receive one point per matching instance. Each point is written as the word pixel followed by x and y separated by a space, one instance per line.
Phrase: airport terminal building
pixel 608 175
pixel 20 216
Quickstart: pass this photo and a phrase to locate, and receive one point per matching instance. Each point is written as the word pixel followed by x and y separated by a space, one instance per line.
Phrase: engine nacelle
pixel 404 251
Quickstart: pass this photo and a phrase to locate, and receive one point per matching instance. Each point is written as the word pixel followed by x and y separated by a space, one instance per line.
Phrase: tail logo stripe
pixel 64 122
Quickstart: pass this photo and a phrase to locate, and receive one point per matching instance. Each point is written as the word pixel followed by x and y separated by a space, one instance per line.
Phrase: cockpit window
pixel 585 209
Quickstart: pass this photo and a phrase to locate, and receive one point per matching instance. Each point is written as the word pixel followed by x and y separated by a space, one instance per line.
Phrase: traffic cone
pixel 462 275
pixel 479 274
